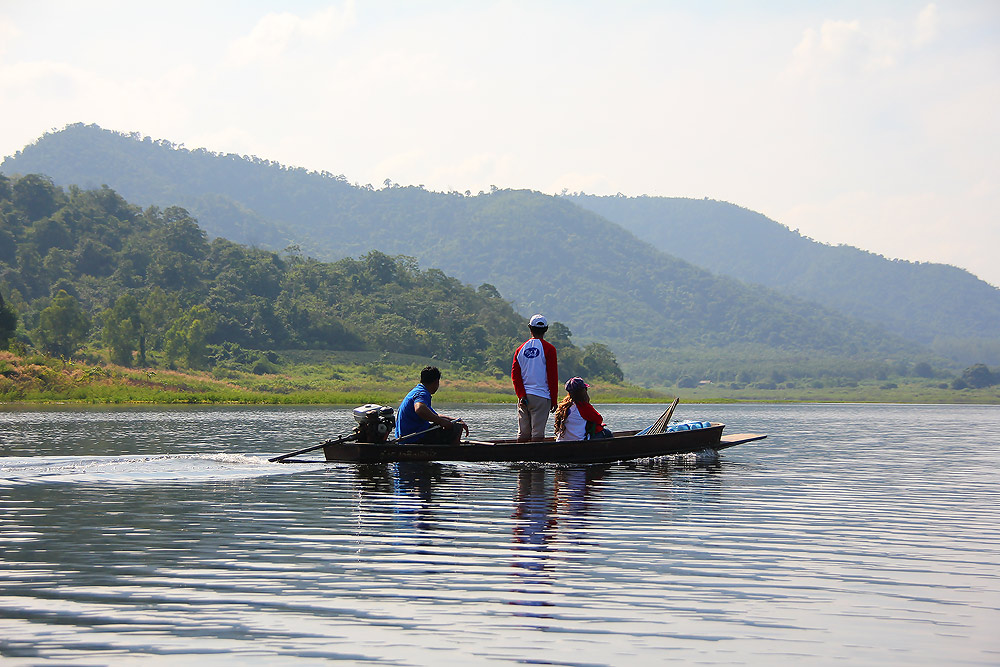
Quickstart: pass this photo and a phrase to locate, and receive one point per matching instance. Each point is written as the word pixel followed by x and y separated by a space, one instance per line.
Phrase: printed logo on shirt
pixel 532 352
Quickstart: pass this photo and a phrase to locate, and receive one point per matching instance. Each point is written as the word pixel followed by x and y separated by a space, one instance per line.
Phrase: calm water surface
pixel 868 534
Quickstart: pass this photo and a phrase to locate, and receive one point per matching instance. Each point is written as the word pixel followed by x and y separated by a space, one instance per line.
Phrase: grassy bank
pixel 355 378
pixel 302 377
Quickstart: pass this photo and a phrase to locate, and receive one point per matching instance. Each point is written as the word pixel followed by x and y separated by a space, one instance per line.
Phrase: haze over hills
pixel 542 252
pixel 935 304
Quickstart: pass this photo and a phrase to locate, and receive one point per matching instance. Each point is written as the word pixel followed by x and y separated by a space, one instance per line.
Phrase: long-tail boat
pixel 624 446
pixel 370 443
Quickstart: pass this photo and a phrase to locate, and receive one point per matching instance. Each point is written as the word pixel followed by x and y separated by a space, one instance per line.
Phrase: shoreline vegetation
pixel 103 302
pixel 352 378
pixel 303 378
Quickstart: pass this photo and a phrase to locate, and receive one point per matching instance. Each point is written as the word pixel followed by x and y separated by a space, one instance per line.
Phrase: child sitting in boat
pixel 576 418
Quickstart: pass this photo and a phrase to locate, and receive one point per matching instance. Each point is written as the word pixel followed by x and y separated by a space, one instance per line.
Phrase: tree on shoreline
pixel 122 333
pixel 62 326
pixel 8 322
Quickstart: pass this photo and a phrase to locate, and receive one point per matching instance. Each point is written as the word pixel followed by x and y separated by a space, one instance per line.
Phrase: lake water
pixel 854 534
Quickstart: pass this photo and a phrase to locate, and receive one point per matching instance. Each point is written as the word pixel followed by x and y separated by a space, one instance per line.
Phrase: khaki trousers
pixel 531 418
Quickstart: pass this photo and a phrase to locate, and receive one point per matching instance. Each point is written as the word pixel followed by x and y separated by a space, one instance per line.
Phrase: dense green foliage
pixel 8 322
pixel 543 253
pixel 977 376
pixel 149 287
pixel 62 325
pixel 932 304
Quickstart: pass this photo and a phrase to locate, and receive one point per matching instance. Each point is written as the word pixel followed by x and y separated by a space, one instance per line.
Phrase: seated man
pixel 415 414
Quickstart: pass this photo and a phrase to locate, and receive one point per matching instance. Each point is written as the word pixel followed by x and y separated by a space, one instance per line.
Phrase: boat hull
pixel 623 447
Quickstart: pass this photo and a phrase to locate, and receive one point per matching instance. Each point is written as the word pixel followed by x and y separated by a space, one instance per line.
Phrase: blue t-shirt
pixel 407 420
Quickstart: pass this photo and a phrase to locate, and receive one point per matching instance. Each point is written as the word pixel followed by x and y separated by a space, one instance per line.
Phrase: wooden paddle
pixel 337 441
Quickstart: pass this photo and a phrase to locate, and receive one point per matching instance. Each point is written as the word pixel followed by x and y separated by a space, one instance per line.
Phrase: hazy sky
pixel 867 123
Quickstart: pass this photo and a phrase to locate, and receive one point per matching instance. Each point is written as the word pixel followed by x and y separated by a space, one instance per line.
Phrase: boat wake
pixel 702 457
pixel 137 469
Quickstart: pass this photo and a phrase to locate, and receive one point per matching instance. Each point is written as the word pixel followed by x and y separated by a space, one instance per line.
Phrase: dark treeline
pixel 85 267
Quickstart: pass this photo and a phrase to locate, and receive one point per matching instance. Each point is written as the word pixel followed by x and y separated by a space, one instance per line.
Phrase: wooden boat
pixel 625 446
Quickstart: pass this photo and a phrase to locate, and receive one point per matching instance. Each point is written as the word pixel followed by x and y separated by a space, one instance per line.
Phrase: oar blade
pixel 346 438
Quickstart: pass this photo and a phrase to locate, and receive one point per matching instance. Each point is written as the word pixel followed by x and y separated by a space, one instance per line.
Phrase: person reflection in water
pixel 533 514
pixel 541 509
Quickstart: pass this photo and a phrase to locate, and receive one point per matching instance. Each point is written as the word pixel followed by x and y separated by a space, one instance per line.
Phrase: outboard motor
pixel 375 422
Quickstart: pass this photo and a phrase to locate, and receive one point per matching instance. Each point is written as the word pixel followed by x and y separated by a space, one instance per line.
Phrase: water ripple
pixel 850 534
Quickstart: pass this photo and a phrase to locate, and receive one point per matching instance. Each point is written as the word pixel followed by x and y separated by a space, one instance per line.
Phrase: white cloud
pixel 275 34
pixel 47 95
pixel 853 47
pixel 8 33
pixel 40 79
pixel 927 25
pixel 843 47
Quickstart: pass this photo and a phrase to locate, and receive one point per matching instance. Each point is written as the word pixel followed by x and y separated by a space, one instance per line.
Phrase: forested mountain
pixel 149 286
pixel 543 253
pixel 934 304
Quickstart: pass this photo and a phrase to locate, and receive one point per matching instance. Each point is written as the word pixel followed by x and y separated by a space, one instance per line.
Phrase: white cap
pixel 538 321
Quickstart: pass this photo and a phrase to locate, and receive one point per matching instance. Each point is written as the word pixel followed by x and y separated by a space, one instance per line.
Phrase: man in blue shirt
pixel 415 414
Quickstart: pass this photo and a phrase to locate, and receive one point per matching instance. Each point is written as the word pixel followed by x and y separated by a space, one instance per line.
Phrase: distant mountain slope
pixel 924 302
pixel 544 253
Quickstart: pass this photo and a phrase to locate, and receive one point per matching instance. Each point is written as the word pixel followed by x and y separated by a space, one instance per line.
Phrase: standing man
pixel 415 414
pixel 536 381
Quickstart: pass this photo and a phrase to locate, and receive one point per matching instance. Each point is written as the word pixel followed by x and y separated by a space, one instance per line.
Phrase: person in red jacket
pixel 576 418
pixel 535 376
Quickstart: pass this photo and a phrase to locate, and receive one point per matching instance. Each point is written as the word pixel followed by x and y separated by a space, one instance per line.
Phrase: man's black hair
pixel 429 374
pixel 535 331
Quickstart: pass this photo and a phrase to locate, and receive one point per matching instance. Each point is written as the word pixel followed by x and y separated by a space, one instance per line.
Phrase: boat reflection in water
pixel 554 526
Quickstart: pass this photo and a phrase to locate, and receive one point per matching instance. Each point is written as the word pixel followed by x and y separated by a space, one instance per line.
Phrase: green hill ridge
pixel 662 315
